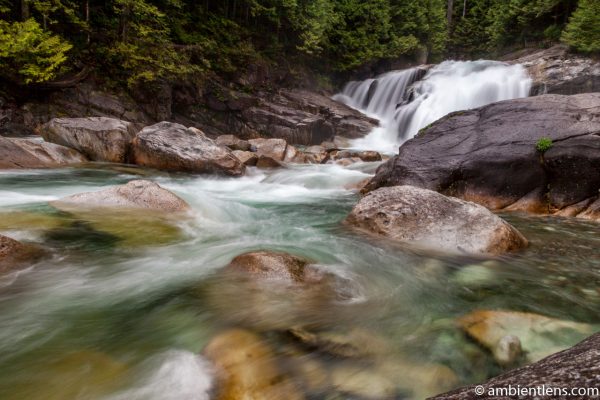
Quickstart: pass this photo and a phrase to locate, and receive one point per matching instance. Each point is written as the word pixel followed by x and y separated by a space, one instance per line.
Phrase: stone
pixel 488 155
pixel 265 162
pixel 137 194
pixel 233 142
pixel 173 147
pixel 315 154
pixel 507 334
pixel 272 148
pixel 275 266
pixel 558 71
pixel 30 153
pixel 246 368
pixel 366 156
pixel 15 255
pixel 247 158
pixel 428 219
pixel 576 367
pixel 98 138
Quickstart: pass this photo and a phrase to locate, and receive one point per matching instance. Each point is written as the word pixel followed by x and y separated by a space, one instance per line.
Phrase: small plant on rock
pixel 543 144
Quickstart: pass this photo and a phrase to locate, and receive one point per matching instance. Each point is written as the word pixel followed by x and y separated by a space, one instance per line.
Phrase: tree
pixel 143 46
pixel 30 54
pixel 583 30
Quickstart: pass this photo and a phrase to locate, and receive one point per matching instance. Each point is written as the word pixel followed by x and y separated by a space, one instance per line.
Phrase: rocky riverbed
pixel 176 260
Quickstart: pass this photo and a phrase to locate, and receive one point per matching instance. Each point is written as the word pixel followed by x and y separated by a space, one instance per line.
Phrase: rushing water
pixel 404 104
pixel 123 306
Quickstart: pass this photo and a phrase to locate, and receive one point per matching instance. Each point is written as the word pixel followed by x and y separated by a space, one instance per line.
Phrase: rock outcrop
pixel 98 138
pixel 428 219
pixel 31 153
pixel 137 194
pixel 298 116
pixel 577 367
pixel 557 71
pixel 173 147
pixel 490 156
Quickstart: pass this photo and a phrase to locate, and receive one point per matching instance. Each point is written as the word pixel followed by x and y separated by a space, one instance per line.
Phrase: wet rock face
pixel 234 143
pixel 556 71
pixel 173 147
pixel 489 155
pixel 577 367
pixel 138 194
pixel 426 218
pixel 98 138
pixel 29 153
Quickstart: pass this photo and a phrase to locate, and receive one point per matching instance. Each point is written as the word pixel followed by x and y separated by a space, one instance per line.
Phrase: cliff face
pixel 259 103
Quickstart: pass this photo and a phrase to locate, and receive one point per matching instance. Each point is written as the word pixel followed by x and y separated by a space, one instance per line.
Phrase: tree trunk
pixel 449 12
pixel 464 8
pixel 87 21
pixel 24 10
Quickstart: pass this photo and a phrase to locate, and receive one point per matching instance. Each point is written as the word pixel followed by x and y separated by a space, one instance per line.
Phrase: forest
pixel 135 41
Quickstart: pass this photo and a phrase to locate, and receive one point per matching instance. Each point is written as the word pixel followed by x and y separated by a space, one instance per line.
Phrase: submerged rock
pixel 275 266
pixel 29 153
pixel 15 255
pixel 429 219
pixel 577 367
pixel 98 138
pixel 173 147
pixel 490 155
pixel 247 368
pixel 510 334
pixel 137 194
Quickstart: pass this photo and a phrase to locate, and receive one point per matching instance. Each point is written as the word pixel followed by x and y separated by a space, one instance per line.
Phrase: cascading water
pixel 404 104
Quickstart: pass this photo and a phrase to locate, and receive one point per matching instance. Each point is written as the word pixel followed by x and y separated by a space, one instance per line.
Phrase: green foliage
pixel 543 144
pixel 583 30
pixel 29 54
pixel 143 41
pixel 492 25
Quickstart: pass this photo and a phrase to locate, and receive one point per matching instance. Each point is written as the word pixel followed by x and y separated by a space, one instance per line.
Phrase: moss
pixel 543 144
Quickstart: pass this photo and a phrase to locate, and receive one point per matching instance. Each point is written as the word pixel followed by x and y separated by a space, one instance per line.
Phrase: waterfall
pixel 406 101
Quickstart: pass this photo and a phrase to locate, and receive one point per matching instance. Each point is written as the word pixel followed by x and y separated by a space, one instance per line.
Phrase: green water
pixel 123 305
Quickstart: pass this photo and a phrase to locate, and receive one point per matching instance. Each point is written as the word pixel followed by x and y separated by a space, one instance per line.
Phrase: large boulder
pixel 98 138
pixel 173 147
pixel 30 153
pixel 429 219
pixel 490 155
pixel 557 71
pixel 137 194
pixel 575 369
pixel 246 368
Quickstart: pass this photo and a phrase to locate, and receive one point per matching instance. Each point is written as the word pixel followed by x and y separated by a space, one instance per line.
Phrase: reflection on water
pixel 124 304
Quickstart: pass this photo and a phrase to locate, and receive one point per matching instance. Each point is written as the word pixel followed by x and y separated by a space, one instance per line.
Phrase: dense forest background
pixel 138 41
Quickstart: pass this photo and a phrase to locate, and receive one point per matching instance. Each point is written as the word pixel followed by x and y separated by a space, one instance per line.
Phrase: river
pixel 123 306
